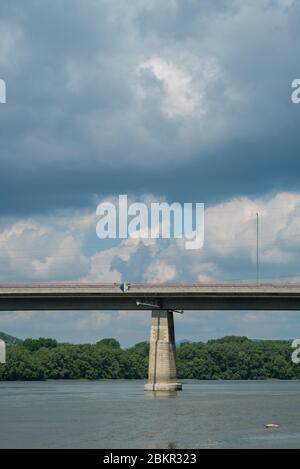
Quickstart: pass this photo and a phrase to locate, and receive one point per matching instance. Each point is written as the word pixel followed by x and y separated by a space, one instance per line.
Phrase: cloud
pixel 180 99
pixel 10 44
pixel 32 251
pixel 159 270
pixel 185 101
pixel 146 95
pixel 66 248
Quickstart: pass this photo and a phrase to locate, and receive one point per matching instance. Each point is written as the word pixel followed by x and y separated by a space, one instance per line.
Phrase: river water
pixel 119 414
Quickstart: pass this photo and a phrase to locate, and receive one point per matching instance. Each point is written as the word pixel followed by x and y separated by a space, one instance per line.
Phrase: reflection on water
pixel 119 414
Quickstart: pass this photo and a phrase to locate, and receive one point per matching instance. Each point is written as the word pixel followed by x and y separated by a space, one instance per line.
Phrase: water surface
pixel 119 414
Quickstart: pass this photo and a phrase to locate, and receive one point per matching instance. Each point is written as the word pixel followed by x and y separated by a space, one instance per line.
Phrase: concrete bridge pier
pixel 162 356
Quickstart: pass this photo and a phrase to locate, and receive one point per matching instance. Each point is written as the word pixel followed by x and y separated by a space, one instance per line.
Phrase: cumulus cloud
pixel 181 98
pixel 66 248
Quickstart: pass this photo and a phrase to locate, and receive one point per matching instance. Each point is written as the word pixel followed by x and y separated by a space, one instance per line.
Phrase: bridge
pixel 163 300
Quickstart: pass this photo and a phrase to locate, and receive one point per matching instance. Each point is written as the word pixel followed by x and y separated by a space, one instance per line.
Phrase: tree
pixel 226 358
pixel 35 344
pixel 109 343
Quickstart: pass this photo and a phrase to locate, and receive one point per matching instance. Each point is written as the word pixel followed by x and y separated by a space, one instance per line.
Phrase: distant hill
pixel 9 339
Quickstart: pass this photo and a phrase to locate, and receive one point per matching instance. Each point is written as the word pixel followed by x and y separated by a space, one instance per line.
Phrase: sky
pixel 163 101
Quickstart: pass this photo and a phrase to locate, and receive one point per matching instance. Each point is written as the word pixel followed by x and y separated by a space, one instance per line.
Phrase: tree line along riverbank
pixel 228 358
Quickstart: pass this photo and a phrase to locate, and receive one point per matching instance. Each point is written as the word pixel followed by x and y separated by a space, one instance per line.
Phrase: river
pixel 119 414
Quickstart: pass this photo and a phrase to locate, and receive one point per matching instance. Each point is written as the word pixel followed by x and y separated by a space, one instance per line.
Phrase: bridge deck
pixel 96 296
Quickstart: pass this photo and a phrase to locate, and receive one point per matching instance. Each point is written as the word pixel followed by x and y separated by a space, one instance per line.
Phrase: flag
pixel 124 287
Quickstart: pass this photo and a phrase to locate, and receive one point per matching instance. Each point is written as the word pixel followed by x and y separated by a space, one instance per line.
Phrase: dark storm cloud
pixel 74 125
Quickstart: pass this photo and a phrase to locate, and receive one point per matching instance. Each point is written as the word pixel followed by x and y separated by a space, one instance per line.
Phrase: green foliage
pixel 237 358
pixel 226 358
pixel 21 365
pixel 109 343
pixel 35 344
